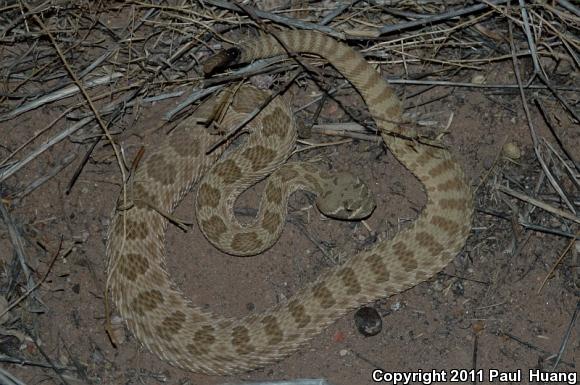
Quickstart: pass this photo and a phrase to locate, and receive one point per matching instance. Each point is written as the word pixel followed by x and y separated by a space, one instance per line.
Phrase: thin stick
pixel 83 91
pixel 312 146
pixel 231 6
pixel 46 177
pixel 31 289
pixel 533 134
pixel 340 8
pixel 9 171
pixel 16 240
pixel 80 167
pixel 537 68
pixel 437 18
pixel 336 130
pixel 63 93
pixel 25 362
pixel 562 255
pixel 8 379
pixel 547 118
pixel 567 336
pixel 530 346
pixel 107 134
pixel 538 203
pixel 234 131
pixel 36 135
pixel 569 6
pixel 446 83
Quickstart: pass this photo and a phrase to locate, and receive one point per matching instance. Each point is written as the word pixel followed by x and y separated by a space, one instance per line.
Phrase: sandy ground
pixel 483 311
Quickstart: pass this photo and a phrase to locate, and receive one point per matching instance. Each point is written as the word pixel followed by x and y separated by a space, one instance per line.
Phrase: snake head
pixel 346 197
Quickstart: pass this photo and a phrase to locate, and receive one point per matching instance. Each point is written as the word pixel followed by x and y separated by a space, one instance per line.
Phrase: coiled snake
pixel 191 338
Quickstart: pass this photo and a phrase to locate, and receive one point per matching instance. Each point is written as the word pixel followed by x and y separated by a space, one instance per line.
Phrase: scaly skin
pixel 191 338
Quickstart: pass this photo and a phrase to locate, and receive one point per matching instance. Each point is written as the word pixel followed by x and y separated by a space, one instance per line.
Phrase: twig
pixel 474 354
pixel 9 171
pixel 39 9
pixel 530 39
pixel 538 203
pixel 492 167
pixel 25 362
pixel 8 379
pixel 537 68
pixel 564 342
pixel 46 177
pixel 58 95
pixel 548 230
pixel 47 358
pixel 34 137
pixel 526 225
pixel 532 129
pixel 337 11
pixel 89 101
pixel 569 6
pixel 530 346
pixel 575 178
pixel 16 240
pixel 80 167
pixel 290 22
pixel 548 119
pixel 31 289
pixel 311 146
pixel 437 18
pixel 446 83
pixel 234 130
pixel 296 221
pixel 349 130
pixel 195 96
pixel 562 255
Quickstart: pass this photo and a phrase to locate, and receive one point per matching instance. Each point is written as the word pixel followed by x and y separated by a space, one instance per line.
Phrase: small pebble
pixel 117 330
pixel 487 163
pixel 458 288
pixel 97 357
pixel 368 321
pixel 82 237
pixel 478 79
pixel 396 306
pixel 511 151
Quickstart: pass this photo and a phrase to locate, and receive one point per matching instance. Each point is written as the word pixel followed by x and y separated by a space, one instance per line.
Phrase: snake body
pixel 187 336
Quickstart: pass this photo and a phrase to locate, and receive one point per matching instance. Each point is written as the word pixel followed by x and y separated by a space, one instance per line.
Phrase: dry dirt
pixel 484 309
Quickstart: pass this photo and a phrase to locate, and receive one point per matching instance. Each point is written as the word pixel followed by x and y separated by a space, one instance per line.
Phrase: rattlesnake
pixel 192 338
